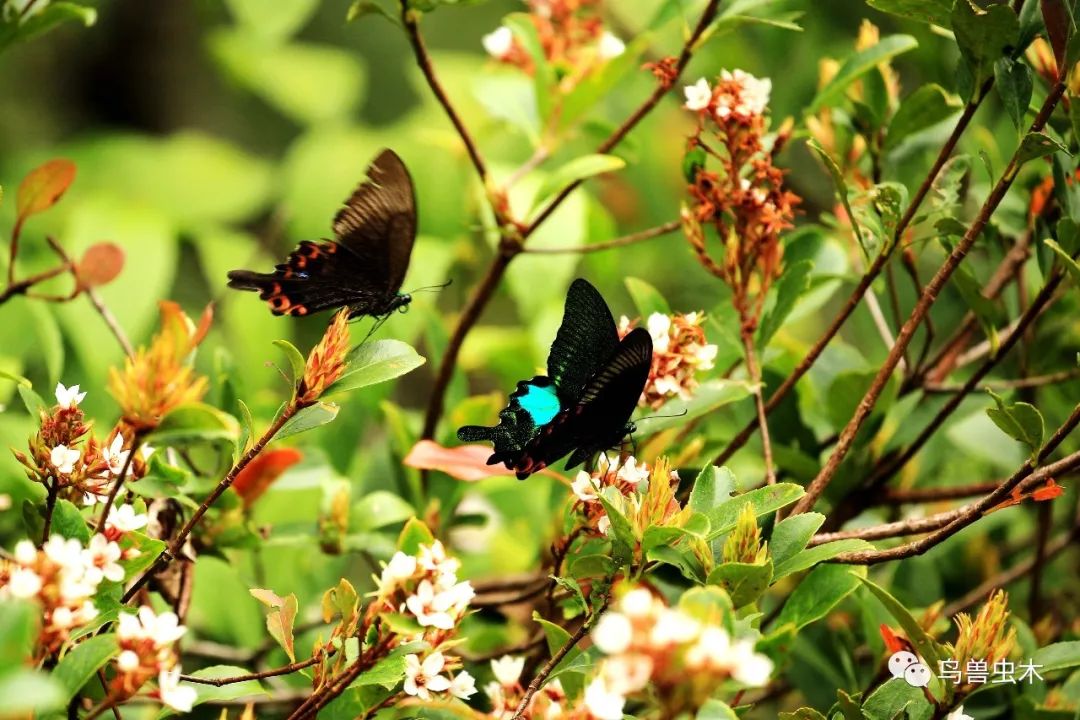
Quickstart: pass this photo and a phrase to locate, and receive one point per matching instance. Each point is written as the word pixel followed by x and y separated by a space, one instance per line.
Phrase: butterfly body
pixel 363 267
pixel 583 405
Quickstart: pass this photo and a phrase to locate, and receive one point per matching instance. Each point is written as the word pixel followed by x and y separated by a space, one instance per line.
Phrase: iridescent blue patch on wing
pixel 541 402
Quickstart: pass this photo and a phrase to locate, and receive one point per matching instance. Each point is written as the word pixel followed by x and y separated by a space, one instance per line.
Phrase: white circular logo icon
pixel 900 661
pixel 917 675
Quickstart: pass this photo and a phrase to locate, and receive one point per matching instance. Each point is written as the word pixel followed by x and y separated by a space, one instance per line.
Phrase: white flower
pixel 64 458
pixel 5 499
pixel 430 608
pixel 127 661
pixel 423 678
pixel 674 627
pixel 583 487
pixel 611 46
pixel 626 674
pixel 660 328
pixel 613 634
pixel 433 558
pixel 68 397
pixel 753 96
pixel 705 355
pixel 163 629
pixel 638 603
pixel 750 667
pixel 498 42
pixel 147 451
pixel 124 519
pixel 400 567
pixel 86 612
pixel 711 650
pixel 65 553
pixel 633 474
pixel 100 558
pixel 602 702
pixel 604 525
pixel 457 597
pixel 507 669
pixel 958 714
pixel 178 697
pixel 62 618
pixel 76 589
pixel 25 553
pixel 463 685
pixel 23 583
pixel 495 694
pixel 114 455
pixel 698 95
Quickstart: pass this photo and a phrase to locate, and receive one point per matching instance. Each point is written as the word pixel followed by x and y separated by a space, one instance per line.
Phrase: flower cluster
pixel 147 650
pixel 327 360
pixel 646 497
pixel 743 200
pixel 159 378
pixel 679 351
pixel 62 577
pixel 988 638
pixel 571 33
pixel 506 692
pixel 679 657
pixel 66 457
pixel 425 588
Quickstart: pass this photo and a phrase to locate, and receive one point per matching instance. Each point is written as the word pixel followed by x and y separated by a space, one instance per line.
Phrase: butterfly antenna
pixel 432 287
pixel 375 326
pixel 655 417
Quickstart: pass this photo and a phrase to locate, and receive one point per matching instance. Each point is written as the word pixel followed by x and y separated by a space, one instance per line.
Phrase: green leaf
pixel 984 309
pixel 275 22
pixel 68 522
pixel 936 12
pixel 819 593
pixel 744 582
pixel 764 500
pixel 713 486
pixel 579 168
pixel 841 191
pixel 386 673
pixel 413 535
pixel 647 299
pixel 925 107
pixel 32 401
pixel 1021 421
pixel 308 418
pixel 1057 656
pixel 818 554
pixel 1070 265
pixel 281 619
pixel 591 566
pixel 802 714
pixel 897 699
pixel 1014 84
pixel 297 363
pixel 849 707
pixel 53 15
pixel 715 710
pixel 543 75
pixel 376 362
pixel 792 285
pixel 791 535
pixel 1036 145
pixel 661 544
pixel 208 693
pixel 927 647
pixel 578 604
pixel 28 691
pixel 79 666
pixel 623 540
pixel 18 631
pixel 858 64
pixel 379 509
pixel 194 423
pixel 984 36
pixel 708 396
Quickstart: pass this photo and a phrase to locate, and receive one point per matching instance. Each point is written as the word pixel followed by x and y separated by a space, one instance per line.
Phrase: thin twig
pixel 640 236
pixel 538 157
pixel 275 672
pixel 900 528
pixel 21 287
pixel 1033 381
pixel 893 496
pixel 136 440
pixel 759 404
pixel 177 545
pixel 847 437
pixel 50 507
pixel 557 658
pixel 865 281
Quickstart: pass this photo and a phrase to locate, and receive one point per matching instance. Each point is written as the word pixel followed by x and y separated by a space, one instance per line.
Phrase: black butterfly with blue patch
pixel 584 403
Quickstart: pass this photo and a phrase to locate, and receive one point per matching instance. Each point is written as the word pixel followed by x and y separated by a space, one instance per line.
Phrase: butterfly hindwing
pixel 364 268
pixel 532 405
pixel 599 419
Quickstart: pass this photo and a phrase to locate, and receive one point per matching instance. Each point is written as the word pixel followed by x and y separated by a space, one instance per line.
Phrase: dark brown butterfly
pixel 365 264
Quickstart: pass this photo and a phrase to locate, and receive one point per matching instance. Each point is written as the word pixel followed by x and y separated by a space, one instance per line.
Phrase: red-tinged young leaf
pixel 263 471
pixel 464 462
pixel 44 185
pixel 100 265
pixel 1049 491
pixel 281 619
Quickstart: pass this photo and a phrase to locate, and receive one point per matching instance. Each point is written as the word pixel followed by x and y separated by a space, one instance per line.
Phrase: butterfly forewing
pixel 586 337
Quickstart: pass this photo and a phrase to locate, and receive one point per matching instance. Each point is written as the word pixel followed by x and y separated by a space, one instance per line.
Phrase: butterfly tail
pixel 248 280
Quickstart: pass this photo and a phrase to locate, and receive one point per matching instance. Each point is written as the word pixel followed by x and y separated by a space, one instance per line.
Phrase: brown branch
pixel 865 281
pixel 512 244
pixel 20 287
pixel 50 507
pixel 177 545
pixel 275 672
pixel 1033 381
pixel 328 693
pixel 641 236
pixel 1022 478
pixel 847 437
pixel 411 20
pixel 759 404
pixel 136 440
pixel 900 528
pixel 893 496
pixel 557 658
